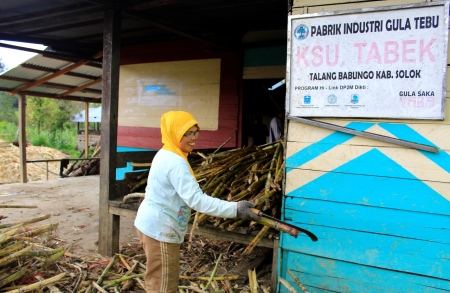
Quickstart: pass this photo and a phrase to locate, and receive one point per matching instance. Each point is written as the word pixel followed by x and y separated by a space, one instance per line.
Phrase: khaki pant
pixel 163 265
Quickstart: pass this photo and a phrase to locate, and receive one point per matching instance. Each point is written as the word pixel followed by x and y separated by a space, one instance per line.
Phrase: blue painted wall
pixel 380 227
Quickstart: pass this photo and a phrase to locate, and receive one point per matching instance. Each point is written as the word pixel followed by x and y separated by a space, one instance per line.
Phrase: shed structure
pixel 205 44
pixel 94 116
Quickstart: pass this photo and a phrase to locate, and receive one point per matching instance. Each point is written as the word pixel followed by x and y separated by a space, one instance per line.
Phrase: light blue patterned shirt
pixel 170 194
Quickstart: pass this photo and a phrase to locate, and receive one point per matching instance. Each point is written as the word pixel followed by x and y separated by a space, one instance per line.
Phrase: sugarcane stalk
pixel 39 285
pixel 222 224
pixel 11 248
pixel 274 161
pixel 255 240
pixel 253 281
pixel 127 284
pixel 265 196
pixel 54 289
pixel 195 289
pixel 224 143
pixel 229 287
pixel 5 236
pixel 34 220
pixel 52 258
pixel 33 232
pixel 43 252
pixel 235 224
pixel 278 226
pixel 287 285
pixel 122 279
pixel 193 227
pixel 279 174
pixel 17 275
pixel 123 261
pixel 142 182
pixel 7 206
pixel 213 272
pixel 127 198
pixel 13 256
pixel 80 276
pixel 202 278
pixel 105 271
pixel 98 287
pixel 255 185
pixel 298 282
pixel 240 195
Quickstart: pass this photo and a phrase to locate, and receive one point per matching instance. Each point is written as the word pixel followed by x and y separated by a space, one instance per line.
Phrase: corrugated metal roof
pixel 36 70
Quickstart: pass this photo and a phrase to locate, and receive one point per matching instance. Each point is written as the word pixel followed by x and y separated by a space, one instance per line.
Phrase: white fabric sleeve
pixel 190 192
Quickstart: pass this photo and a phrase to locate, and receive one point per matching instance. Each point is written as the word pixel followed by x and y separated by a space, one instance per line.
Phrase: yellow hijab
pixel 174 125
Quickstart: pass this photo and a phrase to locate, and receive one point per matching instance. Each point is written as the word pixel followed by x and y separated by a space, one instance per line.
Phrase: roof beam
pixel 66 26
pixel 41 19
pixel 46 53
pixel 48 69
pixel 53 96
pixel 53 75
pixel 48 77
pixel 81 87
pixel 50 84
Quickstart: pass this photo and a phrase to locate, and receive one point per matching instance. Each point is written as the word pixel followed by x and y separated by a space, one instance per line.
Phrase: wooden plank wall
pixel 381 211
pixel 229 96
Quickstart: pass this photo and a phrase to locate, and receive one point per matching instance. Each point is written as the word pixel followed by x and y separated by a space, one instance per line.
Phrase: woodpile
pixel 84 167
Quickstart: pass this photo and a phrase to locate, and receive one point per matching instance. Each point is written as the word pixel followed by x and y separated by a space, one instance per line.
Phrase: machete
pixel 283 226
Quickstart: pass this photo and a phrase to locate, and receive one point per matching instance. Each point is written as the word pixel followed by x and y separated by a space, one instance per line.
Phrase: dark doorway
pixel 258 100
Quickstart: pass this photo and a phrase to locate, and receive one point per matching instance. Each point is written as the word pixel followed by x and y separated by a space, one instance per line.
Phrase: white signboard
pixel 379 63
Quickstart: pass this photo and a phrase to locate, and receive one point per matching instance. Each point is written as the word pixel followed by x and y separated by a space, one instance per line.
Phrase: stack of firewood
pixel 85 167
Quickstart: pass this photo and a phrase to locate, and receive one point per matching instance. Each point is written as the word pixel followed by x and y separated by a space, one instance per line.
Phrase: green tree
pixel 40 112
pixel 8 108
pixel 64 109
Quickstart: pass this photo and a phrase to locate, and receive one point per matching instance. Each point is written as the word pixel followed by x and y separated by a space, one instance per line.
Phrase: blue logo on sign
pixel 332 99
pixel 355 99
pixel 301 32
pixel 307 99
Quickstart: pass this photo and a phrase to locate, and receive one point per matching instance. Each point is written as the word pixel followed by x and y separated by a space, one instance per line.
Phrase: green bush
pixel 8 131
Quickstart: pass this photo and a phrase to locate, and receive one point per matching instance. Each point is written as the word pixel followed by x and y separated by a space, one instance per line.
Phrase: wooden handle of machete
pixel 256 211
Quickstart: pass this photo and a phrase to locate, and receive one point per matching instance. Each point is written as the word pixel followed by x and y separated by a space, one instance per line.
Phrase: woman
pixel 172 191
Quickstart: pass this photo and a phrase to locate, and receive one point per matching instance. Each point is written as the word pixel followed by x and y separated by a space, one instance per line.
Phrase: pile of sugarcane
pixel 254 173
pixel 31 261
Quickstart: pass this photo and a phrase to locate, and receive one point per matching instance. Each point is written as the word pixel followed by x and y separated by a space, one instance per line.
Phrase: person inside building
pixel 259 131
pixel 276 127
pixel 171 192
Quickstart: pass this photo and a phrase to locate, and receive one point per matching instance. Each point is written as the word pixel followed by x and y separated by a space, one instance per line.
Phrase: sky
pixel 12 58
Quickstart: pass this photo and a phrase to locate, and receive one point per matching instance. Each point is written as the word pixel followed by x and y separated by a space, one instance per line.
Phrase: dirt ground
pixel 72 202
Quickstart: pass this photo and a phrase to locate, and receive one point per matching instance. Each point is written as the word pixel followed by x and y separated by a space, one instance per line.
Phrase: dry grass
pixel 10 163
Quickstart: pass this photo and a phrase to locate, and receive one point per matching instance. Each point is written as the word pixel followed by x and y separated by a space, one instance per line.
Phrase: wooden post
pixel 109 224
pixel 86 130
pixel 23 138
pixel 274 279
